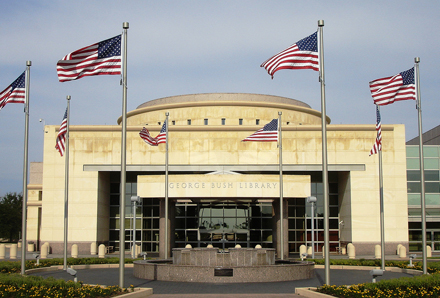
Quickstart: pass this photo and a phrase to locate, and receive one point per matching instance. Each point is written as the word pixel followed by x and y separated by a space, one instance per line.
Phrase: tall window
pixel 223 121
pixel 240 121
pixel 188 121
pixel 205 121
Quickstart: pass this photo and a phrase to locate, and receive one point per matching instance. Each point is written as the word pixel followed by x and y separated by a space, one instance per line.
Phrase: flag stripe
pixel 61 137
pixel 160 139
pixel 395 88
pixel 378 143
pixel 269 133
pixel 302 55
pixel 14 93
pixel 102 58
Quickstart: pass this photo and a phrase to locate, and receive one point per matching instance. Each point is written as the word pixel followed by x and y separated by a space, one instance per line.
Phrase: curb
pixel 138 293
pixel 311 293
pixel 390 269
pixel 86 266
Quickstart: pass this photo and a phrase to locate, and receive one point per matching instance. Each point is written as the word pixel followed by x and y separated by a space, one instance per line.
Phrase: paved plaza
pixel 110 276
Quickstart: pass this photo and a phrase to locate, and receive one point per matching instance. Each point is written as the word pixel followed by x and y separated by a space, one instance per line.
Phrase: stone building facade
pixel 220 187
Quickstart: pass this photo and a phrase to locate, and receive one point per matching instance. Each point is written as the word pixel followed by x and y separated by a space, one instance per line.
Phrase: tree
pixel 10 216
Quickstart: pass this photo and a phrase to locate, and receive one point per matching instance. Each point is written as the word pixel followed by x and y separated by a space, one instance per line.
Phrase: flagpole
pixel 66 184
pixel 166 187
pixel 324 152
pixel 382 217
pixel 280 147
pixel 25 170
pixel 421 161
pixel 125 26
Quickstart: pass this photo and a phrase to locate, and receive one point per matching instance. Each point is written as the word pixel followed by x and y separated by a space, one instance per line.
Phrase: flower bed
pixel 17 286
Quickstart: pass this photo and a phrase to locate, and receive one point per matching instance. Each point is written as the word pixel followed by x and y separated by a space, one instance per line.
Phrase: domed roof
pixel 223 97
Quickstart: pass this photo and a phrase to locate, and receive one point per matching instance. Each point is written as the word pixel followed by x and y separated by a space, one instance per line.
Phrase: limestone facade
pixel 209 162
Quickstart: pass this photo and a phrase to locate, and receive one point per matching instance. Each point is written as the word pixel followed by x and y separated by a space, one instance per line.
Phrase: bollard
pixel 13 252
pixel 398 249
pixel 19 244
pixel 428 251
pixel 302 249
pixel 138 250
pixel 309 250
pixel 402 252
pixel 377 252
pixel 93 248
pixel 2 251
pixel 47 244
pixel 30 246
pixel 101 251
pixel 351 251
pixel 74 251
pixel 344 250
pixel 323 251
pixel 43 251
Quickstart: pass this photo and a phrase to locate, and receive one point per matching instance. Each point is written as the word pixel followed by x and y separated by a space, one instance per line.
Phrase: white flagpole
pixel 25 170
pixel 382 216
pixel 324 152
pixel 166 187
pixel 125 26
pixel 66 184
pixel 421 161
pixel 280 147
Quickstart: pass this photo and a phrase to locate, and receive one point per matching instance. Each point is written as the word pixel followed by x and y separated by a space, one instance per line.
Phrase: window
pixel 158 123
pixel 188 121
pixel 223 121
pixel 257 122
pixel 205 121
pixel 173 122
pixel 240 121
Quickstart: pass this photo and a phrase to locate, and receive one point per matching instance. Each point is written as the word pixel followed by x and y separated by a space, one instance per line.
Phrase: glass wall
pixel 432 196
pixel 147 218
pixel 299 216
pixel 223 224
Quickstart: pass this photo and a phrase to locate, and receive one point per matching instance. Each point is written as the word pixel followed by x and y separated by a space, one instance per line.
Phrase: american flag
pixel 14 93
pixel 61 137
pixel 390 89
pixel 161 137
pixel 378 144
pixel 301 55
pixel 269 133
pixel 102 58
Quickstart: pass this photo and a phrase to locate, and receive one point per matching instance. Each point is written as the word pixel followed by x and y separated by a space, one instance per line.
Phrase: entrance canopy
pixel 223 186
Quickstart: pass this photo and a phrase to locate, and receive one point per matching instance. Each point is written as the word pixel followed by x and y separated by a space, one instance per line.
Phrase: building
pixel 431 156
pixel 220 187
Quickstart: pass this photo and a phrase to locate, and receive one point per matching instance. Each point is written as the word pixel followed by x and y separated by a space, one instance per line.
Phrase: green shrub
pixel 15 266
pixel 418 286
pixel 15 285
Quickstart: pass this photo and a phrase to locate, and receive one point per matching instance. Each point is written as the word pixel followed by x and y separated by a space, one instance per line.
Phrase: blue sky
pixel 199 46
